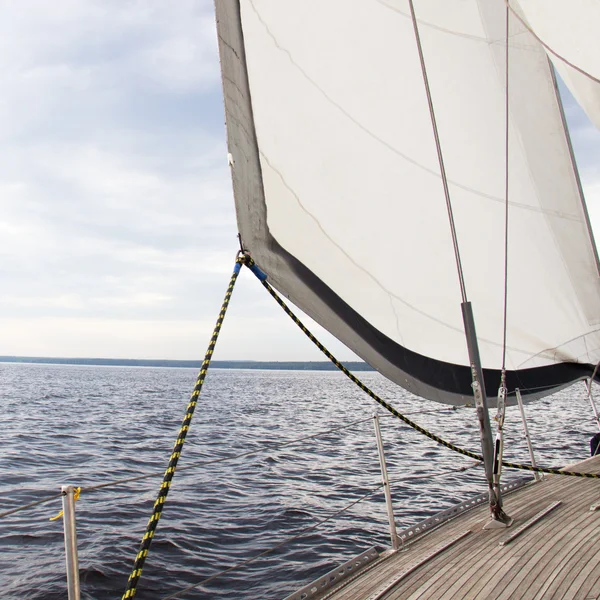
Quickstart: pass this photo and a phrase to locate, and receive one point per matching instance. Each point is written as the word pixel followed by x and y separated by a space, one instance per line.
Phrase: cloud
pixel 115 190
pixel 117 228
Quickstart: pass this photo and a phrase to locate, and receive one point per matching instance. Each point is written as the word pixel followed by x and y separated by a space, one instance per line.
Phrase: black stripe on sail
pixel 447 378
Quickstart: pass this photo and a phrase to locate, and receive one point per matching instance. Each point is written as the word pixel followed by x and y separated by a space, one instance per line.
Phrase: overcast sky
pixel 117 230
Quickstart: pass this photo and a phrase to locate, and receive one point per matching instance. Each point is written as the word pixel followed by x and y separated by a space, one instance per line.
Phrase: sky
pixel 117 228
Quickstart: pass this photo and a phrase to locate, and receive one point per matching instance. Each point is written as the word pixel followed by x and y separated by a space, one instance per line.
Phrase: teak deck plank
pixel 534 557
pixel 466 581
pixel 594 590
pixel 558 557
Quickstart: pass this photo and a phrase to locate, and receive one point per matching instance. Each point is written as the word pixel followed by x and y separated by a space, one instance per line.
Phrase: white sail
pixel 570 29
pixel 340 200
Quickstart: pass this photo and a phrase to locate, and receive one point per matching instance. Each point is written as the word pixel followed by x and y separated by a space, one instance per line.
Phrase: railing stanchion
pixel 386 483
pixel 72 560
pixel 538 476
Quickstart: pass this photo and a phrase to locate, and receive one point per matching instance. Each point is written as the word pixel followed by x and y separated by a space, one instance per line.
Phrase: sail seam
pixel 546 46
pixel 317 222
pixel 467 36
pixel 393 149
pixel 391 294
pixel 384 143
pixel 553 349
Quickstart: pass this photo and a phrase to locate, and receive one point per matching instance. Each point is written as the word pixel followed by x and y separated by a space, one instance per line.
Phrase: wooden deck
pixel 557 557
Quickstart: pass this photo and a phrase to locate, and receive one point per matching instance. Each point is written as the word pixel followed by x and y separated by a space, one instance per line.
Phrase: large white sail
pixel 339 196
pixel 569 30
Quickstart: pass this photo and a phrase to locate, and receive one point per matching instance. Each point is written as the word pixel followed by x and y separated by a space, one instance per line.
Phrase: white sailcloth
pixel 340 200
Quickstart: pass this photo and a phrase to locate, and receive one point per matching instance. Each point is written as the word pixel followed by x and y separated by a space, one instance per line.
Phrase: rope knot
pixel 245 258
pixel 76 494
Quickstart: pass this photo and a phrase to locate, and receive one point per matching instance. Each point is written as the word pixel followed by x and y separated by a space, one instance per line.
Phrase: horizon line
pixel 166 362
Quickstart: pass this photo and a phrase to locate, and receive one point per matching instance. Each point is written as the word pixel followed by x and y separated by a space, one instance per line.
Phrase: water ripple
pixel 90 425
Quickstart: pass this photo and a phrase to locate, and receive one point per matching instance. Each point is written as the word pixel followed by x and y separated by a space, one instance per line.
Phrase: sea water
pixel 86 426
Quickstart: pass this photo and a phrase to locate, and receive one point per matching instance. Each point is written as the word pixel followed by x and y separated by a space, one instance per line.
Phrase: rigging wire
pixel 410 478
pixel 312 527
pixel 277 546
pixel 227 458
pixel 502 391
pixel 438 147
pixel 30 505
pixel 203 463
pixel 425 412
pixel 506 183
pixel 199 463
pixel 546 46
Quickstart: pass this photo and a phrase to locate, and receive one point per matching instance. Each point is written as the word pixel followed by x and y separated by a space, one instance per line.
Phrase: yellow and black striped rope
pixel 170 472
pixel 399 415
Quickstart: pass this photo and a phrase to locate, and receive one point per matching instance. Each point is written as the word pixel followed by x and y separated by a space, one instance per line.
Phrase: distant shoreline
pixel 193 364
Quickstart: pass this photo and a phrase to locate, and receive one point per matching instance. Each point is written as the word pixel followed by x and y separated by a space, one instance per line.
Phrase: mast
pixel 499 517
